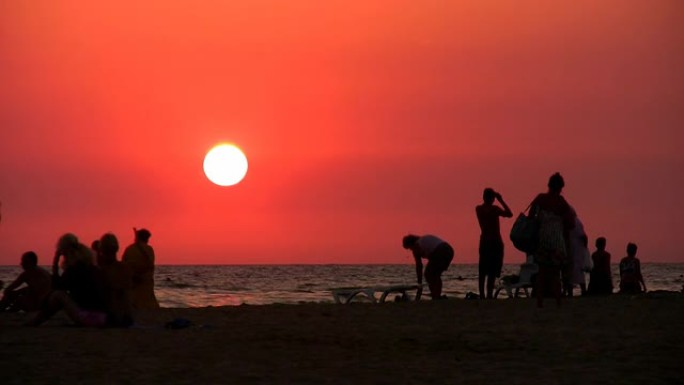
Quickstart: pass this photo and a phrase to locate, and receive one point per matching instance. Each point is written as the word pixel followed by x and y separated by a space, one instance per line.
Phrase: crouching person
pixel 437 252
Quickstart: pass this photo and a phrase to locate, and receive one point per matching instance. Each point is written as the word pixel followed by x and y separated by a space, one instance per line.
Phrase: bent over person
pixel 438 254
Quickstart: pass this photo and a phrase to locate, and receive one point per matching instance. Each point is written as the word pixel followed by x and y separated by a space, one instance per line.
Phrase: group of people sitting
pixel 88 283
pixel 600 279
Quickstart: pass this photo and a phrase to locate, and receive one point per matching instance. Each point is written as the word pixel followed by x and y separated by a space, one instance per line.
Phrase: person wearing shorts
pixel 439 255
pixel 491 248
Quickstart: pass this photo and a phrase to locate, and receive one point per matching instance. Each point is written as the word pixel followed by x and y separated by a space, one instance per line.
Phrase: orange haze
pixel 362 121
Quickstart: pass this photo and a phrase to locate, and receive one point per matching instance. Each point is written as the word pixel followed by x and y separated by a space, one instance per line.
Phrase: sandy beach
pixel 617 339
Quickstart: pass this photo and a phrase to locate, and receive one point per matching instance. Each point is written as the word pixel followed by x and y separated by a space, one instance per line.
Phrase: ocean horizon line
pixel 347 264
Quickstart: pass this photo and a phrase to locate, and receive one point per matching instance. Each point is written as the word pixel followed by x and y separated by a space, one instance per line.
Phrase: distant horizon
pixel 360 123
pixel 354 264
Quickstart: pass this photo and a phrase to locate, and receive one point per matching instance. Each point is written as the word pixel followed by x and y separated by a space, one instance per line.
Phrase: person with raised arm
pixel 491 247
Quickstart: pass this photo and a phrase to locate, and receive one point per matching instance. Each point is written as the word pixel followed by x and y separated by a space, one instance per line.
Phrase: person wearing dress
pixel 555 218
pixel 600 278
pixel 140 259
pixel 631 279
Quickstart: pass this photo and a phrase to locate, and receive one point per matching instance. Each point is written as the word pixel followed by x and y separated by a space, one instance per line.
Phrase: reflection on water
pixel 196 286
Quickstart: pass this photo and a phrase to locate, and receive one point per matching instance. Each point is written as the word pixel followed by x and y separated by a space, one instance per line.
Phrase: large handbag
pixel 525 233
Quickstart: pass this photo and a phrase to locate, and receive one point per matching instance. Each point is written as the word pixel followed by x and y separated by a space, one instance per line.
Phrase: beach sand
pixel 617 339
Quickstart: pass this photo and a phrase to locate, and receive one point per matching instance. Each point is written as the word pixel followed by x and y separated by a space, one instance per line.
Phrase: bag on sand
pixel 524 233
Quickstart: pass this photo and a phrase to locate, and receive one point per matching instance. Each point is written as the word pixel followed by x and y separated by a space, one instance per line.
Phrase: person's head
pixel 631 249
pixel 29 260
pixel 408 241
pixel 601 243
pixel 142 235
pixel 109 246
pixel 556 183
pixel 488 195
pixel 73 251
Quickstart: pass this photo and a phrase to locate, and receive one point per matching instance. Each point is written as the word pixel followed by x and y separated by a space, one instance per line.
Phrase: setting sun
pixel 225 165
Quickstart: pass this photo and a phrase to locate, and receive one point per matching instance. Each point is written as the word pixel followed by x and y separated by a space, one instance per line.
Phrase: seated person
pixel 631 280
pixel 600 278
pixel 30 296
pixel 94 296
pixel 79 290
pixel 118 281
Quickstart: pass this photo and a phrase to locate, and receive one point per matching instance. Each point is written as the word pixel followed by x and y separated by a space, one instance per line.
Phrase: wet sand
pixel 623 340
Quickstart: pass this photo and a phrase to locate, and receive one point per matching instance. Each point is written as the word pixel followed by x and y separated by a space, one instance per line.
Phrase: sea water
pixel 229 285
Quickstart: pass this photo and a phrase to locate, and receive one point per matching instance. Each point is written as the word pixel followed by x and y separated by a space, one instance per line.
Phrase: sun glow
pixel 225 165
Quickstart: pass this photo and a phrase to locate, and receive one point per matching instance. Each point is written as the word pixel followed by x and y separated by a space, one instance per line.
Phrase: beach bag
pixel 525 233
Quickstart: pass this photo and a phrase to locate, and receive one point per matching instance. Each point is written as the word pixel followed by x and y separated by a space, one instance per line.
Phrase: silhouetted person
pixel 438 254
pixel 491 248
pixel 580 263
pixel 631 280
pixel 29 289
pixel 79 290
pixel 139 257
pixel 555 219
pixel 118 281
pixel 601 278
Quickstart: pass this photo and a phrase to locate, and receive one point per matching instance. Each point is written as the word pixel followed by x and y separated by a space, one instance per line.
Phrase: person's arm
pixel 419 267
pixel 534 207
pixel 56 279
pixel 17 282
pixel 507 213
pixel 641 277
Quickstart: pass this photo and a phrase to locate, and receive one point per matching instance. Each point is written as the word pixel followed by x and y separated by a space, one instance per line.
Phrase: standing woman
pixel 139 257
pixel 631 279
pixel 555 218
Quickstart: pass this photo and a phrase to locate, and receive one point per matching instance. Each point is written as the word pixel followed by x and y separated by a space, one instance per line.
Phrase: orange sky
pixel 361 121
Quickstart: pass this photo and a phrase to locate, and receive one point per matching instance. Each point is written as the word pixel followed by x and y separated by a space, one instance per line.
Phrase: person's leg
pixel 583 288
pixel 482 269
pixel 438 287
pixel 490 285
pixel 433 279
pixel 481 284
pixel 8 300
pixel 556 285
pixel 51 306
pixel 437 264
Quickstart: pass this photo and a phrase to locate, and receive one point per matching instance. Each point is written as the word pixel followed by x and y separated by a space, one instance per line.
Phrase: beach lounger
pixel 512 288
pixel 347 294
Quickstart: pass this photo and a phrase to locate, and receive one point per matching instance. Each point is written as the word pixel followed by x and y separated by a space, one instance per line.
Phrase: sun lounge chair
pixel 524 281
pixel 347 294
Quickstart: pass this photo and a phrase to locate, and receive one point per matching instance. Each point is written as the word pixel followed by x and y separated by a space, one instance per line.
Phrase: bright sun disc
pixel 225 165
